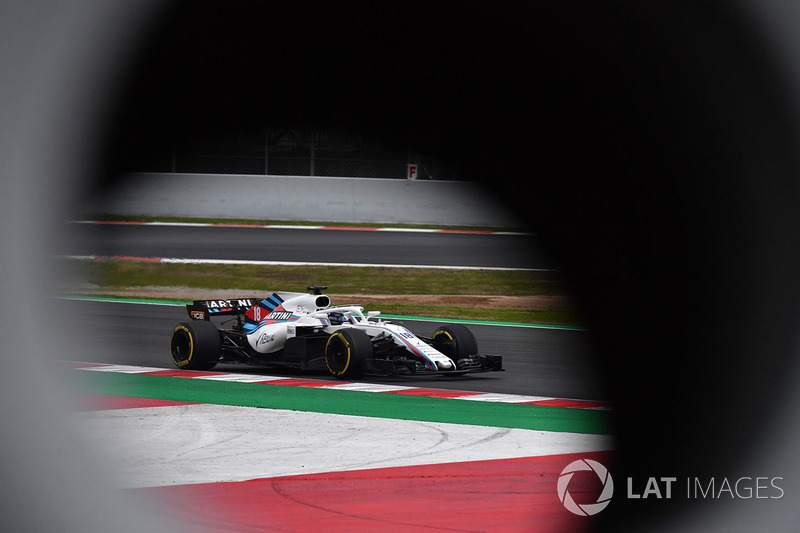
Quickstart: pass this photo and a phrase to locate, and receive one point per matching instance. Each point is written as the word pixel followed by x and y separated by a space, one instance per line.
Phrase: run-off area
pixel 225 467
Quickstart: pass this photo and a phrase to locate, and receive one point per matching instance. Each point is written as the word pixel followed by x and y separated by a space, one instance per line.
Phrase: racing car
pixel 304 331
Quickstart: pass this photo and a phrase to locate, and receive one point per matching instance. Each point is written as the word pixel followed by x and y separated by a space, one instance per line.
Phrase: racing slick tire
pixel 195 345
pixel 456 341
pixel 346 351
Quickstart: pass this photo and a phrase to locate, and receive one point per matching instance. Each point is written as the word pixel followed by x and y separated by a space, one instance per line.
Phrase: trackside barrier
pixel 295 198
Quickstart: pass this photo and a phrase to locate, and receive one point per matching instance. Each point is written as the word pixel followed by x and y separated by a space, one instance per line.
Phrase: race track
pixel 547 362
pixel 302 245
pixel 544 362
pixel 302 445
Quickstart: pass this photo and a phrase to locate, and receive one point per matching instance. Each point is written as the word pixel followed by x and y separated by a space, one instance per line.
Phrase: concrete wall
pixel 304 198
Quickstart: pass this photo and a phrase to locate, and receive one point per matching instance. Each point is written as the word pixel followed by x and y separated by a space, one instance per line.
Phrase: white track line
pixel 123 369
pixel 241 378
pixel 367 387
pixel 304 227
pixel 504 398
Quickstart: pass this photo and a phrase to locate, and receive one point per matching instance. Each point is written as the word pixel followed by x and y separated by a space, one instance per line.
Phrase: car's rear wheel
pixel 346 351
pixel 456 341
pixel 195 345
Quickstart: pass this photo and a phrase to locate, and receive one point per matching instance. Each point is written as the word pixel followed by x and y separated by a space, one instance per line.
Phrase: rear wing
pixel 203 309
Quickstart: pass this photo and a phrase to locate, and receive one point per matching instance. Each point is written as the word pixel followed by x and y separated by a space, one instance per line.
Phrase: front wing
pixel 411 366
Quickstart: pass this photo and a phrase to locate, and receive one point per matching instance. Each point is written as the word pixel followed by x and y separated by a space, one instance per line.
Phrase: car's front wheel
pixel 458 343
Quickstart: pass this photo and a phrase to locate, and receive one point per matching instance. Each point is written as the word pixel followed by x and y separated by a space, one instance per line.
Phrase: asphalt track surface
pixel 544 362
pixel 302 245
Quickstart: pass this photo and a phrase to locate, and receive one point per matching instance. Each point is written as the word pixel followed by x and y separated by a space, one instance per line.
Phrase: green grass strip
pixel 115 277
pixel 380 405
pixel 378 280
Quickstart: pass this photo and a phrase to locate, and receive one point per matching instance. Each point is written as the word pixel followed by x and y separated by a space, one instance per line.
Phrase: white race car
pixel 304 331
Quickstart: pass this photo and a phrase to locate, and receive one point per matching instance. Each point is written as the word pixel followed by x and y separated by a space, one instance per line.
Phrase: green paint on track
pixel 141 301
pixel 485 322
pixel 380 405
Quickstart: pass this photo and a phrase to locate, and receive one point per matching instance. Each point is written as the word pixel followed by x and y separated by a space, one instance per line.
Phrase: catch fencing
pixel 293 152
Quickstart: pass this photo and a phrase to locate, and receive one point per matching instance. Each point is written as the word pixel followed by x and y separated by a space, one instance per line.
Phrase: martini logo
pixel 279 315
pixel 585 509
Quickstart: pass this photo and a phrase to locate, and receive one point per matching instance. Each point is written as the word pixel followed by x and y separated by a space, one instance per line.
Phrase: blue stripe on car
pixel 429 362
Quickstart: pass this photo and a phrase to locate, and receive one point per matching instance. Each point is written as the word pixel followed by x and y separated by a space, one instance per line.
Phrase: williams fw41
pixel 304 331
